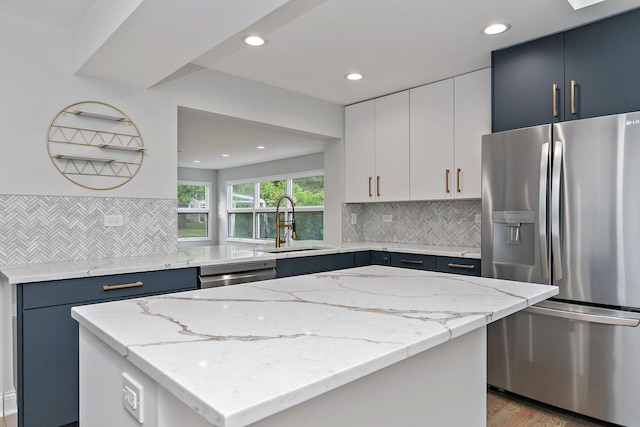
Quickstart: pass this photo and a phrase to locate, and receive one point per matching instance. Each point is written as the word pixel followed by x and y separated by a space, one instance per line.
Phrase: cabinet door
pixel 392 147
pixel 602 58
pixel 48 386
pixel 522 81
pixel 288 267
pixel 472 103
pixel 359 152
pixel 431 139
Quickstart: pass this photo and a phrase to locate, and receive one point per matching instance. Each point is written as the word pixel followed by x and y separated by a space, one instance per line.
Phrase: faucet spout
pixel 285 224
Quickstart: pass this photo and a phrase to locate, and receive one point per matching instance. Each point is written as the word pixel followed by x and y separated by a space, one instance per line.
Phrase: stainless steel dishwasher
pixel 212 276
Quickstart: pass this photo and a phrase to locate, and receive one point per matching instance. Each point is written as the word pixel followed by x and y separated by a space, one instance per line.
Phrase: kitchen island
pixel 372 346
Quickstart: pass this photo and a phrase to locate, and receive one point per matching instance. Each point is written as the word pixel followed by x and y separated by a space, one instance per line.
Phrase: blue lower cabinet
pixel 361 259
pixel 418 262
pixel 466 266
pixel 288 267
pixel 380 258
pixel 48 337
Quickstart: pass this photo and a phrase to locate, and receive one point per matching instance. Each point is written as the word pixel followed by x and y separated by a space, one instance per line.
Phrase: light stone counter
pixel 240 354
pixel 206 255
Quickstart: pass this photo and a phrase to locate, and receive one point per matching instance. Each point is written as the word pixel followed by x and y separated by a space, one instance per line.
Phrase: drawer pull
pixel 411 261
pixel 465 266
pixel 122 286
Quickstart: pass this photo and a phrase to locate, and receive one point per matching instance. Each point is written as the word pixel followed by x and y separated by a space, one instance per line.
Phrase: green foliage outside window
pixel 307 192
pixel 188 192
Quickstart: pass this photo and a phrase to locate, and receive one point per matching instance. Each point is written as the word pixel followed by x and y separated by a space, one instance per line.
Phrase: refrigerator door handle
pixel 555 210
pixel 542 210
pixel 591 318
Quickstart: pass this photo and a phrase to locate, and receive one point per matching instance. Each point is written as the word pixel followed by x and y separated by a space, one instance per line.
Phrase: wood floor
pixel 509 410
pixel 502 411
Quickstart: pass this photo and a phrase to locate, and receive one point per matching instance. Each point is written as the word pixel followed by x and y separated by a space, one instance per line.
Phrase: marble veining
pixel 240 353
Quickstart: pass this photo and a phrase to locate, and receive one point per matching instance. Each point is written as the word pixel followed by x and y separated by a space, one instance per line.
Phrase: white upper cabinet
pixel 421 144
pixel 377 149
pixel 392 147
pixel 431 139
pixel 359 152
pixel 472 120
pixel 448 119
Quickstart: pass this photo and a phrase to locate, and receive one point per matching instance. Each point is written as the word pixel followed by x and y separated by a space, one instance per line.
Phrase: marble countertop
pixel 240 353
pixel 207 255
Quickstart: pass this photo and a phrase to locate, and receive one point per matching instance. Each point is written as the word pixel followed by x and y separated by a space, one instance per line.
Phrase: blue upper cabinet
pixel 603 61
pixel 523 82
pixel 589 71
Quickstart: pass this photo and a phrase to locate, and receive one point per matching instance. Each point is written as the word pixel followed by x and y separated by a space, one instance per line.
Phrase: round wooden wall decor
pixel 95 145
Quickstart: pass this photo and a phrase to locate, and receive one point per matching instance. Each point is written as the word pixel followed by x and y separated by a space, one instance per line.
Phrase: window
pixel 193 210
pixel 251 209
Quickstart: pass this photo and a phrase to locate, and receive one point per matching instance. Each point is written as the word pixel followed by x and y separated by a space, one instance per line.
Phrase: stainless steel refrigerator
pixel 561 206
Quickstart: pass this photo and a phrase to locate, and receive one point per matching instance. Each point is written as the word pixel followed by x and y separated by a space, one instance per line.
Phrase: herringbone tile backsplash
pixel 37 229
pixel 441 223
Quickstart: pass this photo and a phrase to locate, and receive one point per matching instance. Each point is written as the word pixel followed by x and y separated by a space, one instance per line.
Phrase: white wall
pixel 37 81
pixel 279 167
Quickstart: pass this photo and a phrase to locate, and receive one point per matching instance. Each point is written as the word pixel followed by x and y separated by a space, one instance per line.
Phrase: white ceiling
pixel 312 44
pixel 206 137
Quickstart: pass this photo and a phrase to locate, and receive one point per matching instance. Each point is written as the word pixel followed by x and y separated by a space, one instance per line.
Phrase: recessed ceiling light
pixel 579 4
pixel 354 76
pixel 494 29
pixel 225 155
pixel 254 41
pixel 260 147
pixel 196 161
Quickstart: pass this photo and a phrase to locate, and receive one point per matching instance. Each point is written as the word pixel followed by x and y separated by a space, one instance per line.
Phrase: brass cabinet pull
pixel 370 195
pixel 458 180
pixel 446 180
pixel 378 185
pixel 554 98
pixel 122 286
pixel 465 266
pixel 573 96
pixel 412 261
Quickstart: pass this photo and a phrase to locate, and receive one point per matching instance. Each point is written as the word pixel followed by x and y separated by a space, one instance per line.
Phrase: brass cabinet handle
pixel 573 96
pixel 370 195
pixel 411 261
pixel 446 180
pixel 554 99
pixel 465 266
pixel 458 180
pixel 122 286
pixel 378 185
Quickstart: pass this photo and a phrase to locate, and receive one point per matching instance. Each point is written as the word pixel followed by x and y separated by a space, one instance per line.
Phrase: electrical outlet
pixel 113 221
pixel 478 218
pixel 387 218
pixel 132 397
pixel 354 219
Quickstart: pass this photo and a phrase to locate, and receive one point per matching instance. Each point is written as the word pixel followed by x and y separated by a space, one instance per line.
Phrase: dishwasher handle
pixel 585 317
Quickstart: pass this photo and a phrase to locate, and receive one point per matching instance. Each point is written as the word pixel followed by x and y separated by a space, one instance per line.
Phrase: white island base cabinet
pixel 442 386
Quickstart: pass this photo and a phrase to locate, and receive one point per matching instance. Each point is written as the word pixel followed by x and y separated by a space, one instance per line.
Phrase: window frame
pixel 256 210
pixel 206 211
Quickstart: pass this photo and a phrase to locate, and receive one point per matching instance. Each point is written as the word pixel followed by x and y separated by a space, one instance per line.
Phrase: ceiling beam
pixel 140 42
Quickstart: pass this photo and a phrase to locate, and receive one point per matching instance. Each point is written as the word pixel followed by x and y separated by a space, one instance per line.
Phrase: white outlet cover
pixel 354 219
pixel 387 218
pixel 132 397
pixel 113 221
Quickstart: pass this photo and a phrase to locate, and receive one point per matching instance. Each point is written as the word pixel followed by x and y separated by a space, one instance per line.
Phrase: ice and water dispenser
pixel 513 237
